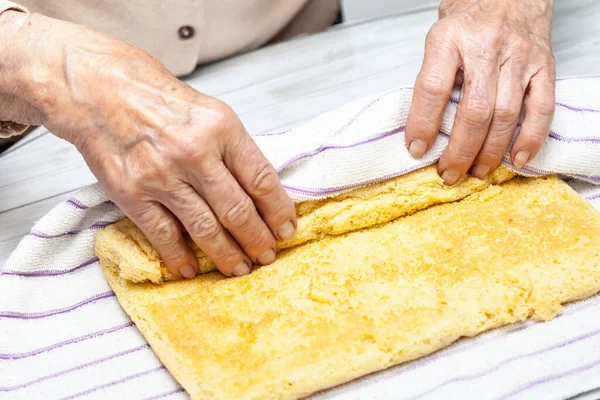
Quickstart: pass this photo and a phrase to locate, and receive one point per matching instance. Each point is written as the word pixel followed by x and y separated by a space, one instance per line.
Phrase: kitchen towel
pixel 64 335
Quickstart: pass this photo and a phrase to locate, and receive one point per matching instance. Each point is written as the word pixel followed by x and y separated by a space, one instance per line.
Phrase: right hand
pixel 162 151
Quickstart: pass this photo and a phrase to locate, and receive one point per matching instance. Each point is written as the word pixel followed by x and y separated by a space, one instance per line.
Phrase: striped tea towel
pixel 64 335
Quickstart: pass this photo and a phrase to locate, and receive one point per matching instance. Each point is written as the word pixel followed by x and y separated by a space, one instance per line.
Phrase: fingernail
pixel 188 272
pixel 241 269
pixel 417 148
pixel 480 171
pixel 521 158
pixel 450 176
pixel 267 257
pixel 286 231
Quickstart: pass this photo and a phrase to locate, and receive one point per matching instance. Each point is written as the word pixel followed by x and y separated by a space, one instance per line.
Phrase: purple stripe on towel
pixel 593 197
pixel 73 369
pixel 595 178
pixel 17 356
pixel 549 378
pixel 113 383
pixel 560 138
pixel 95 226
pixel 325 147
pixel 77 204
pixel 166 394
pixel 314 192
pixel 539 172
pixel 566 78
pixel 43 314
pixel 577 109
pixel 504 362
pixel 454 100
pixel 50 272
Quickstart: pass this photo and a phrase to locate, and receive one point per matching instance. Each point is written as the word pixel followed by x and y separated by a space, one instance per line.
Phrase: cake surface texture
pixel 348 304
pixel 127 247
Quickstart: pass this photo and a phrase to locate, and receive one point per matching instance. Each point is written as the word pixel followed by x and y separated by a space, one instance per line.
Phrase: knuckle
pixel 440 38
pixel 476 118
pixel 423 126
pixel 186 150
pixel 433 85
pixel 124 188
pixel 126 192
pixel 545 109
pixel 205 226
pixel 519 46
pixel 165 232
pixel 211 176
pixel 506 113
pixel 149 172
pixel 259 243
pixel 463 155
pixel 265 180
pixel 218 117
pixel 240 215
pixel 550 61
pixel 226 255
pixel 544 49
pixel 437 30
pixel 477 113
pixel 501 127
pixel 493 35
pixel 493 149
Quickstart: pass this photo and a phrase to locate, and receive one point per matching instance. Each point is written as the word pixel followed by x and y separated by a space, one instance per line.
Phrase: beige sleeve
pixel 8 128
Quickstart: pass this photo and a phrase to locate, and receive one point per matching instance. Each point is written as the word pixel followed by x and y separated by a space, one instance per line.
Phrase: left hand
pixel 501 54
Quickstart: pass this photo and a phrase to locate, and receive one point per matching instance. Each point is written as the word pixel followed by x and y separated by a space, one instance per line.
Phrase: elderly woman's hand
pixel 163 152
pixel 500 52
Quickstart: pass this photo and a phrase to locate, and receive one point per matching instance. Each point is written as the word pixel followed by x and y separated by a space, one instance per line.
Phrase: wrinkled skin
pixel 169 156
pixel 500 52
pixel 163 152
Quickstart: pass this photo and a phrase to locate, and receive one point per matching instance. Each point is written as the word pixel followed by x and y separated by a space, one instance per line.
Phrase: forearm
pixel 54 71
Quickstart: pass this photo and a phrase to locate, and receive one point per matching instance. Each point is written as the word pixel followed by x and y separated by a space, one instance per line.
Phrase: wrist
pixel 11 21
pixel 31 58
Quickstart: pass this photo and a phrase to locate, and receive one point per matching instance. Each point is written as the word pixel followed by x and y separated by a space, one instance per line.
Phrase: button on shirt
pixel 186 32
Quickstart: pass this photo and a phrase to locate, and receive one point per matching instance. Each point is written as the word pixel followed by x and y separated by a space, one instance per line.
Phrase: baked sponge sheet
pixel 334 309
pixel 136 260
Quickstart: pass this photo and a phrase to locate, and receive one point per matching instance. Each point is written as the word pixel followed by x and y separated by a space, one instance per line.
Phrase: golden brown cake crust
pixel 335 309
pixel 136 260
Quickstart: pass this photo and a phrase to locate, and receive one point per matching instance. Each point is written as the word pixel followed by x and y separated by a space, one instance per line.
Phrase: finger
pixel 236 211
pixel 433 89
pixel 261 182
pixel 509 100
pixel 206 231
pixel 164 232
pixel 472 121
pixel 539 111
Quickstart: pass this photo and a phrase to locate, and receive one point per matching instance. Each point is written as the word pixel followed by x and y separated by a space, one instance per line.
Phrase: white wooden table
pixel 274 88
